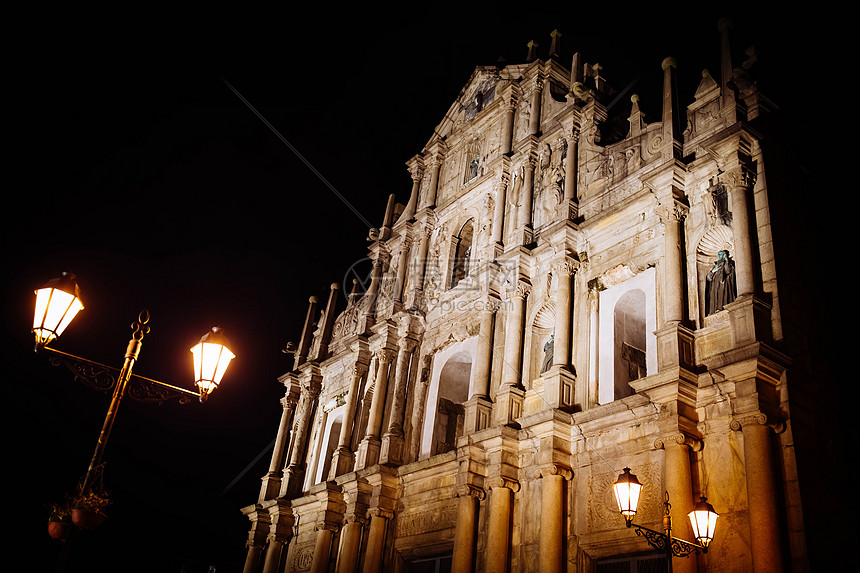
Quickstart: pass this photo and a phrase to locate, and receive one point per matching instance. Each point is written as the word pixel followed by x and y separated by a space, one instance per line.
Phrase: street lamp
pixel 57 304
pixel 703 518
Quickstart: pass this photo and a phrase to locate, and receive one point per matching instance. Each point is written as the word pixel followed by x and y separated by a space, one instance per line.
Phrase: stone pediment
pixel 478 92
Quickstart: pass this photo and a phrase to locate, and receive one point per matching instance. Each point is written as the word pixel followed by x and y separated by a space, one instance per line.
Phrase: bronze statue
pixel 720 285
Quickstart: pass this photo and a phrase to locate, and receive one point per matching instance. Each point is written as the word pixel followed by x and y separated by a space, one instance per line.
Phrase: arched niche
pixel 450 386
pixel 629 341
pixel 718 238
pixel 625 309
pixel 462 252
pixel 542 329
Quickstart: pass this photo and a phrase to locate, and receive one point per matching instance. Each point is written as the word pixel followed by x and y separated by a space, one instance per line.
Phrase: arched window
pixel 450 387
pixel 626 343
pixel 629 348
pixel 462 253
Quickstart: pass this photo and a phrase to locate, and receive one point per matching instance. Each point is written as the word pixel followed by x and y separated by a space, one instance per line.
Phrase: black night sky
pixel 136 166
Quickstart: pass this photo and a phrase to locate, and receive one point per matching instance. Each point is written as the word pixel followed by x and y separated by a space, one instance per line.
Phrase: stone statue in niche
pixel 548 352
pixel 720 285
pixel 720 197
pixel 473 167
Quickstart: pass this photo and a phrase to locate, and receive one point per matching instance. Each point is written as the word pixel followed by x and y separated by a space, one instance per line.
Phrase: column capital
pixel 757 418
pixel 380 512
pixel 554 470
pixel 503 482
pixel 674 212
pixel 521 290
pixel 565 265
pixel 467 490
pixel 385 355
pixel 681 439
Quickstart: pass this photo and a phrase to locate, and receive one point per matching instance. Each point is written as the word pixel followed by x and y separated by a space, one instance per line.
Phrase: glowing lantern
pixel 57 303
pixel 211 358
pixel 627 489
pixel 703 519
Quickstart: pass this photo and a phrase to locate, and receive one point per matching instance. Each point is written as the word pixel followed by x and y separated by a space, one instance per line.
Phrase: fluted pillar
pixel 272 480
pixel 344 459
pixel 552 530
pixel 761 494
pixel 368 450
pixel 393 441
pixel 421 263
pixel 498 552
pixel 466 529
pixel 679 485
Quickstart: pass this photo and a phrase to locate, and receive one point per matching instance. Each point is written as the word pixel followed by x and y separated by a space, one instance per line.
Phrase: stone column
pixel 570 166
pixel 373 289
pixel 368 450
pixel 484 354
pixel 376 539
pixel 350 543
pixel 416 169
pixel 294 473
pixel 564 270
pixel 252 559
pixel 273 556
pixel 272 480
pixel 393 443
pixel 593 349
pixel 679 486
pixel 500 187
pixel 421 263
pixel 429 199
pixel 509 398
pixel 344 458
pixel 673 275
pixel 534 105
pixel 741 233
pixel 508 126
pixel 761 494
pixel 322 550
pixel 498 550
pixel 465 532
pixel 524 215
pixel 307 334
pixel 402 263
pixel 552 530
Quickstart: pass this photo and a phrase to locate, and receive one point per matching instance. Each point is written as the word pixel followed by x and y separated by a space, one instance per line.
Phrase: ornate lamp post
pixel 703 519
pixel 59 301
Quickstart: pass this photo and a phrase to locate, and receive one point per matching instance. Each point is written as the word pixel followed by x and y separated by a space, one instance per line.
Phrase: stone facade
pixel 557 300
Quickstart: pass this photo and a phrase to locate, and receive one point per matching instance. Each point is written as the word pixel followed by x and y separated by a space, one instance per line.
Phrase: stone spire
pixel 532 53
pixel 670 117
pixel 555 44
